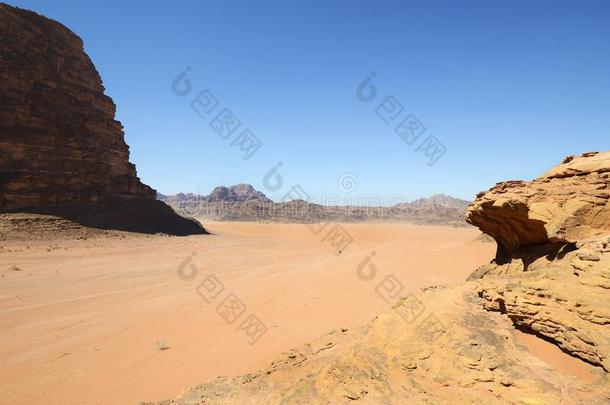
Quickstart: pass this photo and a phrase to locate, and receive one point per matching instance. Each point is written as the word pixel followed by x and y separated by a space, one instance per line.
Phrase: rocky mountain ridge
pixel 441 200
pixel 232 194
pixel 244 203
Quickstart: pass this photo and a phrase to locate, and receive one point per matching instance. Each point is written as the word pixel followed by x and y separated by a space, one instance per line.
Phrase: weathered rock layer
pixel 453 352
pixel 567 204
pixel 551 275
pixel 61 150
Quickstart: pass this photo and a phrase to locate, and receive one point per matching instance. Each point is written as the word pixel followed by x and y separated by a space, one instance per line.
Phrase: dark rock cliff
pixel 61 149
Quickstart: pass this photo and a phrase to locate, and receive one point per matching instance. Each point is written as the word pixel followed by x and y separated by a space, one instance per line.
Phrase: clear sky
pixel 509 88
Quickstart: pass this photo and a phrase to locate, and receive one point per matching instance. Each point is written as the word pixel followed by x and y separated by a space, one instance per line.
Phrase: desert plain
pixel 109 320
pixel 110 293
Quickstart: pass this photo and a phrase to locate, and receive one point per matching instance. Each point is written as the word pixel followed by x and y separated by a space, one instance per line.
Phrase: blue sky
pixel 509 88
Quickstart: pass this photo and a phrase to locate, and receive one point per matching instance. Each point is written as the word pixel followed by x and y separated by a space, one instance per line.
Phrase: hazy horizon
pixel 326 198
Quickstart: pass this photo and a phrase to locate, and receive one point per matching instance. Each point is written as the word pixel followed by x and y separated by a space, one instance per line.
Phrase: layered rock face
pixel 551 275
pixel 61 150
pixel 567 204
pixel 459 344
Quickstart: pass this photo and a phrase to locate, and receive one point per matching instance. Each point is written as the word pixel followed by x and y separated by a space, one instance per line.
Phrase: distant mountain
pixel 234 194
pixel 237 193
pixel 440 200
pixel 242 202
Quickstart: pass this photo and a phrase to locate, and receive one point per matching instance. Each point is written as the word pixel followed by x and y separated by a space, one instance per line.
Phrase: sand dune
pixel 83 321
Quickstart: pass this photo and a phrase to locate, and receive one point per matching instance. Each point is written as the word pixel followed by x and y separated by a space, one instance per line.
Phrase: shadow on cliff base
pixel 140 215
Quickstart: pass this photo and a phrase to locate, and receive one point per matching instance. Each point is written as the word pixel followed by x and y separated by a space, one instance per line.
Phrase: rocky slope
pixel 243 203
pixel 458 344
pixel 61 150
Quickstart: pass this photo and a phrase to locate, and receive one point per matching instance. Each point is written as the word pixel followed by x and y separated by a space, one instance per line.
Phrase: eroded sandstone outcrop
pixel 61 150
pixel 567 204
pixel 551 275
pixel 454 352
pixel 459 344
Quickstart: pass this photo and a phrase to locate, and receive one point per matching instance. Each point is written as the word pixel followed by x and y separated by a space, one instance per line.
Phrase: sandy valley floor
pixel 110 321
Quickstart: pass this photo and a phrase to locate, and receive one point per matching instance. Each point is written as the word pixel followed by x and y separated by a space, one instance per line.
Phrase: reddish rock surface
pixel 61 149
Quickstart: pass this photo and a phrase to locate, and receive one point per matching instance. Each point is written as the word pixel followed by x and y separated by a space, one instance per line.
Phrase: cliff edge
pixel 61 150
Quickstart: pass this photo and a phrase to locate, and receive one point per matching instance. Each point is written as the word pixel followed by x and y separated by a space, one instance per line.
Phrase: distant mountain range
pixel 233 194
pixel 440 200
pixel 242 202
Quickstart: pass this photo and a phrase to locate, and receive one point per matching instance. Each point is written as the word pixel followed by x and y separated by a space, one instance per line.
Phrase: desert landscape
pixel 114 293
pixel 242 202
pixel 83 318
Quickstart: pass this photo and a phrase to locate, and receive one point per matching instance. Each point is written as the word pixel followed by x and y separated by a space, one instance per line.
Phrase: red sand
pixel 82 321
